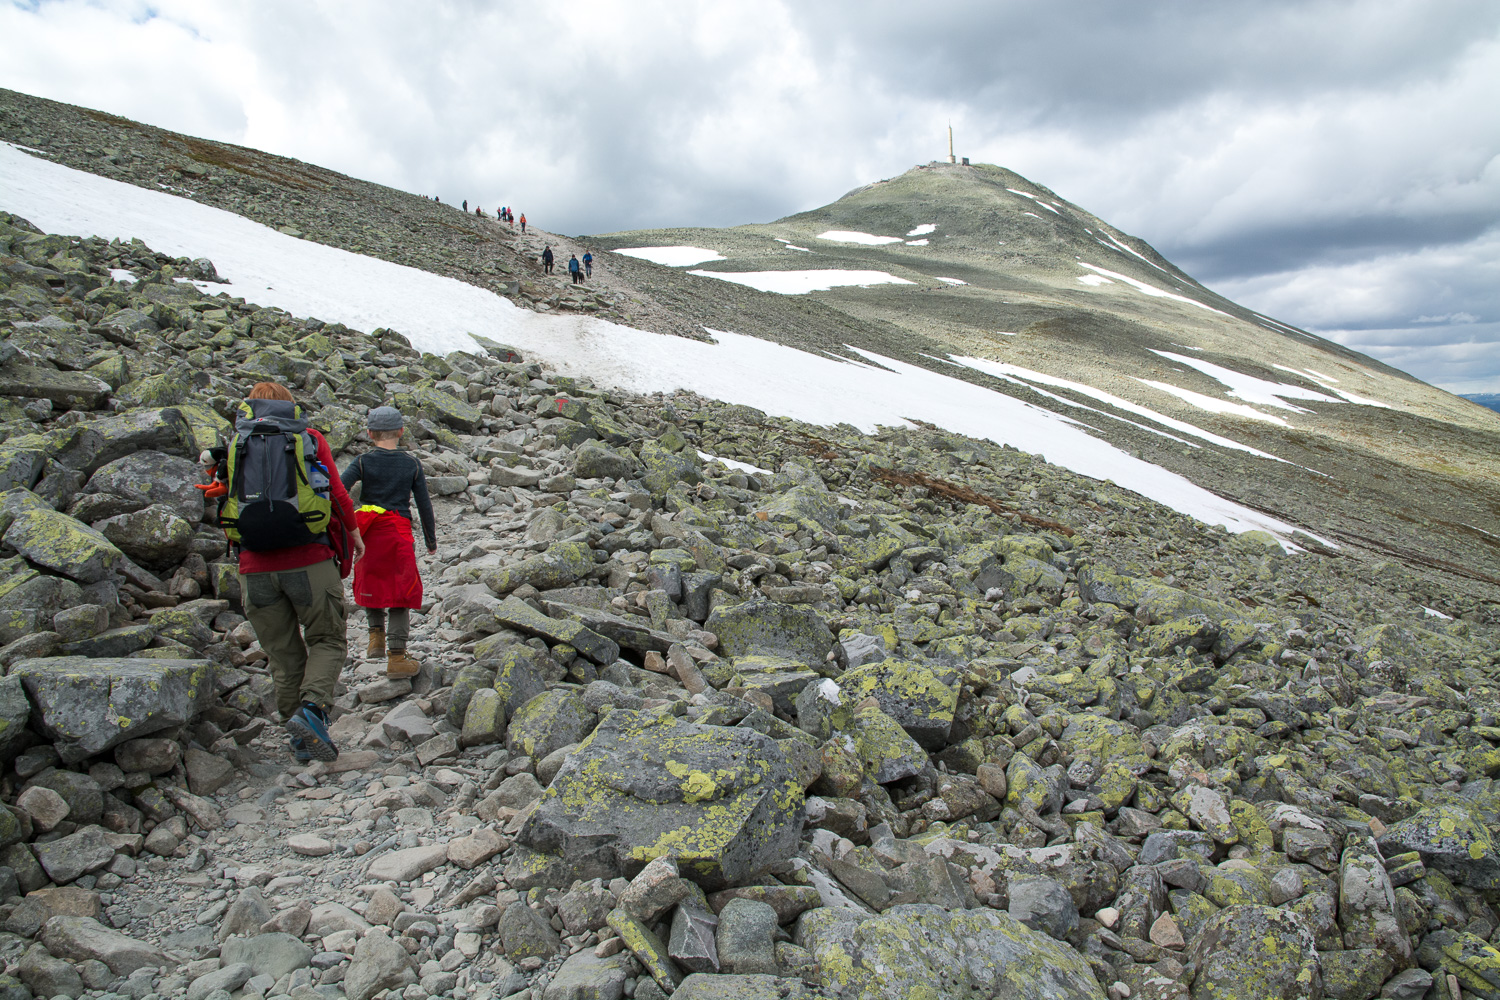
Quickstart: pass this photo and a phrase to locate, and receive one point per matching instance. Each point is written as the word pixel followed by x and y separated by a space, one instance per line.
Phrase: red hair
pixel 271 390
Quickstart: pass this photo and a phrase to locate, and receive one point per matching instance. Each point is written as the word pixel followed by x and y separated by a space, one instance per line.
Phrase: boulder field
pixel 713 704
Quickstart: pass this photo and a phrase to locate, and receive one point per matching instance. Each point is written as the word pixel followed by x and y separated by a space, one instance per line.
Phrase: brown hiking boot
pixel 399 665
pixel 376 649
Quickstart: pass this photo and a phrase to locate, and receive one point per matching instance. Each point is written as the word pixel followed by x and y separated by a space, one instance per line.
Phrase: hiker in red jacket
pixel 292 592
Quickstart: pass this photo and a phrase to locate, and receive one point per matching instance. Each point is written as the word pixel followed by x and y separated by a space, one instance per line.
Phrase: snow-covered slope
pixel 438 314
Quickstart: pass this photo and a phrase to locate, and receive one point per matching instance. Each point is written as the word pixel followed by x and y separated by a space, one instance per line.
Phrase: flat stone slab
pixel 522 617
pixel 86 706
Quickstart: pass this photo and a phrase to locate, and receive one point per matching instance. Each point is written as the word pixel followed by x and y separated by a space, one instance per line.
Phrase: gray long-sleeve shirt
pixel 391 478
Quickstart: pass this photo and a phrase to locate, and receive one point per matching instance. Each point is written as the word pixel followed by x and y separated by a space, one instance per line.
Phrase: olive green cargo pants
pixel 305 663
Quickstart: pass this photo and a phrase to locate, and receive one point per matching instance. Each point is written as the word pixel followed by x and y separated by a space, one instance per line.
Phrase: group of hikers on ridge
pixel 298 535
pixel 577 270
pixel 502 214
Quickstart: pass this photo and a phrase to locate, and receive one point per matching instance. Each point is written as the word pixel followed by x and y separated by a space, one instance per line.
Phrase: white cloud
pixel 1344 187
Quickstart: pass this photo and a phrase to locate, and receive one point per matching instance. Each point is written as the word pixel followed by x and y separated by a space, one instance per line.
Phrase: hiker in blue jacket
pixel 574 269
pixel 588 264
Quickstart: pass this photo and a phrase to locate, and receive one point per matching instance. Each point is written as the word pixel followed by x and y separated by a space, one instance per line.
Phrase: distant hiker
pixel 466 204
pixel 386 579
pixel 437 199
pixel 588 264
pixel 523 223
pixel 546 254
pixel 574 270
pixel 279 509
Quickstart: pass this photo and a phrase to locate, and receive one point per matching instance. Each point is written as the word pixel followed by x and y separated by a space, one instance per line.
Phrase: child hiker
pixel 386 579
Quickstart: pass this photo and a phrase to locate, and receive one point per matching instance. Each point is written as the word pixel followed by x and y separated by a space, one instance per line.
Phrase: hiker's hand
pixel 359 545
pixel 432 552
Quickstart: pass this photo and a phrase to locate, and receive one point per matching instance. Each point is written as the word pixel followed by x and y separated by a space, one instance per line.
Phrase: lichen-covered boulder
pixel 548 722
pixel 57 542
pixel 72 390
pixel 86 706
pixel 1255 951
pixel 912 694
pixel 720 801
pixel 791 631
pixel 136 430
pixel 457 413
pixel 155 536
pixel 664 468
pixel 595 460
pixel 924 951
pixel 153 477
pixel 563 563
pixel 1450 841
pixel 886 751
pixel 15 712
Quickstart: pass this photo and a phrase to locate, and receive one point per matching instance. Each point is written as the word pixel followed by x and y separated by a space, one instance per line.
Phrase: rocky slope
pixel 714 704
pixel 1413 479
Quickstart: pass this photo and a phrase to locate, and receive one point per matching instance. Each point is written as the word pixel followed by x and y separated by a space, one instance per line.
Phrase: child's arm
pixel 424 507
pixel 353 473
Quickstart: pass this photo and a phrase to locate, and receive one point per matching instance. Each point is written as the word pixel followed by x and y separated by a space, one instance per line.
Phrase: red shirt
pixel 298 556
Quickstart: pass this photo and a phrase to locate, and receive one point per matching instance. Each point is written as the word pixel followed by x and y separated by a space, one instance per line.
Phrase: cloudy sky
pixel 1333 164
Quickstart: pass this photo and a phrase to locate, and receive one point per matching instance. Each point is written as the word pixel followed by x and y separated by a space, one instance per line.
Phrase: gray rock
pixel 1449 840
pixel 760 627
pixel 55 541
pixel 69 390
pixel 229 978
pixel 585 908
pixel 548 723
pixel 82 938
pixel 1043 904
pixel 584 977
pixel 517 614
pixel 67 858
pixel 1252 950
pixel 1412 984
pixel 155 536
pixel 153 477
pixel 15 713
pixel 723 799
pixel 745 938
pixel 245 915
pixel 47 976
pixel 405 865
pixel 692 943
pixel 596 460
pixel 378 963
pixel 206 772
pixel 143 430
pixel 87 706
pixel 274 954
pixel 149 755
pixel 857 650
pixel 1368 912
pixel 922 950
pixel 1164 845
pixel 115 642
pixel 525 933
pixel 84 796
pixel 80 622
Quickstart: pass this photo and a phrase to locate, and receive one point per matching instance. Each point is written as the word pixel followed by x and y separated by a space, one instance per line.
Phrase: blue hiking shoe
pixel 299 751
pixel 310 725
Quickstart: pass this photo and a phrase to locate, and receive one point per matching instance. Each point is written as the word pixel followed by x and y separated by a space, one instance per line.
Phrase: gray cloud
pixel 1333 164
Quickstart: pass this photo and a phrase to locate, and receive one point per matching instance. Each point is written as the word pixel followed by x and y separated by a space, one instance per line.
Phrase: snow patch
pixel 673 256
pixel 732 464
pixel 923 229
pixel 1181 426
pixel 801 282
pixel 917 243
pixel 792 246
pixel 1248 387
pixel 1151 290
pixel 1324 381
pixel 119 273
pixel 1213 404
pixel 1435 613
pixel 953 281
pixel 1094 279
pixel 438 314
pixel 864 239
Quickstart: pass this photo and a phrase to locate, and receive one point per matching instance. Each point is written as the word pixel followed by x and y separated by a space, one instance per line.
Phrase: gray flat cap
pixel 385 418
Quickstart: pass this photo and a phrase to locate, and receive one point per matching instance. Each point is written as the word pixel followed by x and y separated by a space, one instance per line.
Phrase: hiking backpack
pixel 277 488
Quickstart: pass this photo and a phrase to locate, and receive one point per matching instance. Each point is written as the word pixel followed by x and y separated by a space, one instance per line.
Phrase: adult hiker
pixel 546 257
pixel 574 270
pixel 466 204
pixel 588 264
pixel 386 582
pixel 279 510
pixel 523 223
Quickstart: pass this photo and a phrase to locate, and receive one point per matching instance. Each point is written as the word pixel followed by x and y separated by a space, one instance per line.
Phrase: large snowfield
pixel 438 314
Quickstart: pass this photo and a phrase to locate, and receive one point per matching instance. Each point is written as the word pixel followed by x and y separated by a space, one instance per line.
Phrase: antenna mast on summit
pixel 951 158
